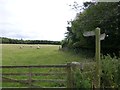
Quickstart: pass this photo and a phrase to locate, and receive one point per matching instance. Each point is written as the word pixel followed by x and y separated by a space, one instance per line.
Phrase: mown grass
pixel 13 55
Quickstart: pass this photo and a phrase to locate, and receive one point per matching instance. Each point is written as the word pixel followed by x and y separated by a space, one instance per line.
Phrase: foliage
pixel 98 14
pixel 110 72
pixel 81 81
pixel 16 41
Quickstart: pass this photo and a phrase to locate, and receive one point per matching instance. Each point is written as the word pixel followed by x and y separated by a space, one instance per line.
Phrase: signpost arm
pixel 97 55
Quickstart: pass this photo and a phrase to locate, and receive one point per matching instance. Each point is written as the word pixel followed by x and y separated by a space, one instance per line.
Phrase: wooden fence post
pixel 69 76
pixel 30 77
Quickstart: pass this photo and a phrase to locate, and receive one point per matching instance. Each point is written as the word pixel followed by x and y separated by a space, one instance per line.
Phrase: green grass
pixel 47 54
pixel 13 55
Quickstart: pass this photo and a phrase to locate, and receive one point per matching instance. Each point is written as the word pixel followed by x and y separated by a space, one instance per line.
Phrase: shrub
pixel 81 81
pixel 110 75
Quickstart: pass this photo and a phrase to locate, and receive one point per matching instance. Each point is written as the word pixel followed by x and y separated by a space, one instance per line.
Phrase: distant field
pixel 13 54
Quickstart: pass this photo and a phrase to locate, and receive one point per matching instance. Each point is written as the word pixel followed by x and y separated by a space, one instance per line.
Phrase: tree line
pixel 105 15
pixel 21 41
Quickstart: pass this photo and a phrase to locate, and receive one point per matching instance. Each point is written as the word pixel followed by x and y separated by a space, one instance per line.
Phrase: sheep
pixel 38 47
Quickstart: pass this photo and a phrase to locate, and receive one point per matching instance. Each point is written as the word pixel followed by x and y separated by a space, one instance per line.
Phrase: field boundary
pixel 29 81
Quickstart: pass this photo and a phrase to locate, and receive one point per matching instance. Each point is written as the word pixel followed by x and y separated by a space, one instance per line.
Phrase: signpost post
pixel 97 56
pixel 98 37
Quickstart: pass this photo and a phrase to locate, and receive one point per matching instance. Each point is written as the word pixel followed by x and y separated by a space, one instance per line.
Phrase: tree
pixel 105 15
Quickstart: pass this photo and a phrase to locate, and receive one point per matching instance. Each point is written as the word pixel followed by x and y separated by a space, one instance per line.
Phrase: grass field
pixel 19 54
pixel 12 54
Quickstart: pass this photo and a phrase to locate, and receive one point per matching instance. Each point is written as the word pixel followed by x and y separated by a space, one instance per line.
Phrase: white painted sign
pixel 92 33
pixel 89 33
pixel 102 36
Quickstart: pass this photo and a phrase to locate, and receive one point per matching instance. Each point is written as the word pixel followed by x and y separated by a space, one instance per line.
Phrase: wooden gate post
pixel 69 76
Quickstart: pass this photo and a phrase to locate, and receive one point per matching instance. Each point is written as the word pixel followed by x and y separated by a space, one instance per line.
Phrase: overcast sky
pixel 35 19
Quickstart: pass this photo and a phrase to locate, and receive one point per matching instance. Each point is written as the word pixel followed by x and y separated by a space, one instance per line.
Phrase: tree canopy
pixel 105 15
pixel 16 41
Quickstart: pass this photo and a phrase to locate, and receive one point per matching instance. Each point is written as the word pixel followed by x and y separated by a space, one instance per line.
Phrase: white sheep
pixel 38 47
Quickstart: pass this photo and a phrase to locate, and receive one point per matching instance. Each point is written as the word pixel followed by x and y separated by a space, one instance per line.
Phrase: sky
pixel 36 19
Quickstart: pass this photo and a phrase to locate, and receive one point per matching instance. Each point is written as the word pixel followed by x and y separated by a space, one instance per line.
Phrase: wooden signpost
pixel 97 56
pixel 98 37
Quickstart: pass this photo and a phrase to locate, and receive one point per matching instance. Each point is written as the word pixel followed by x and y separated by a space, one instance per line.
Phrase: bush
pixel 110 75
pixel 118 75
pixel 81 81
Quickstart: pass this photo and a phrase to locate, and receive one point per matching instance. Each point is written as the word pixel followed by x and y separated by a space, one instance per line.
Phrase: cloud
pixel 35 19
